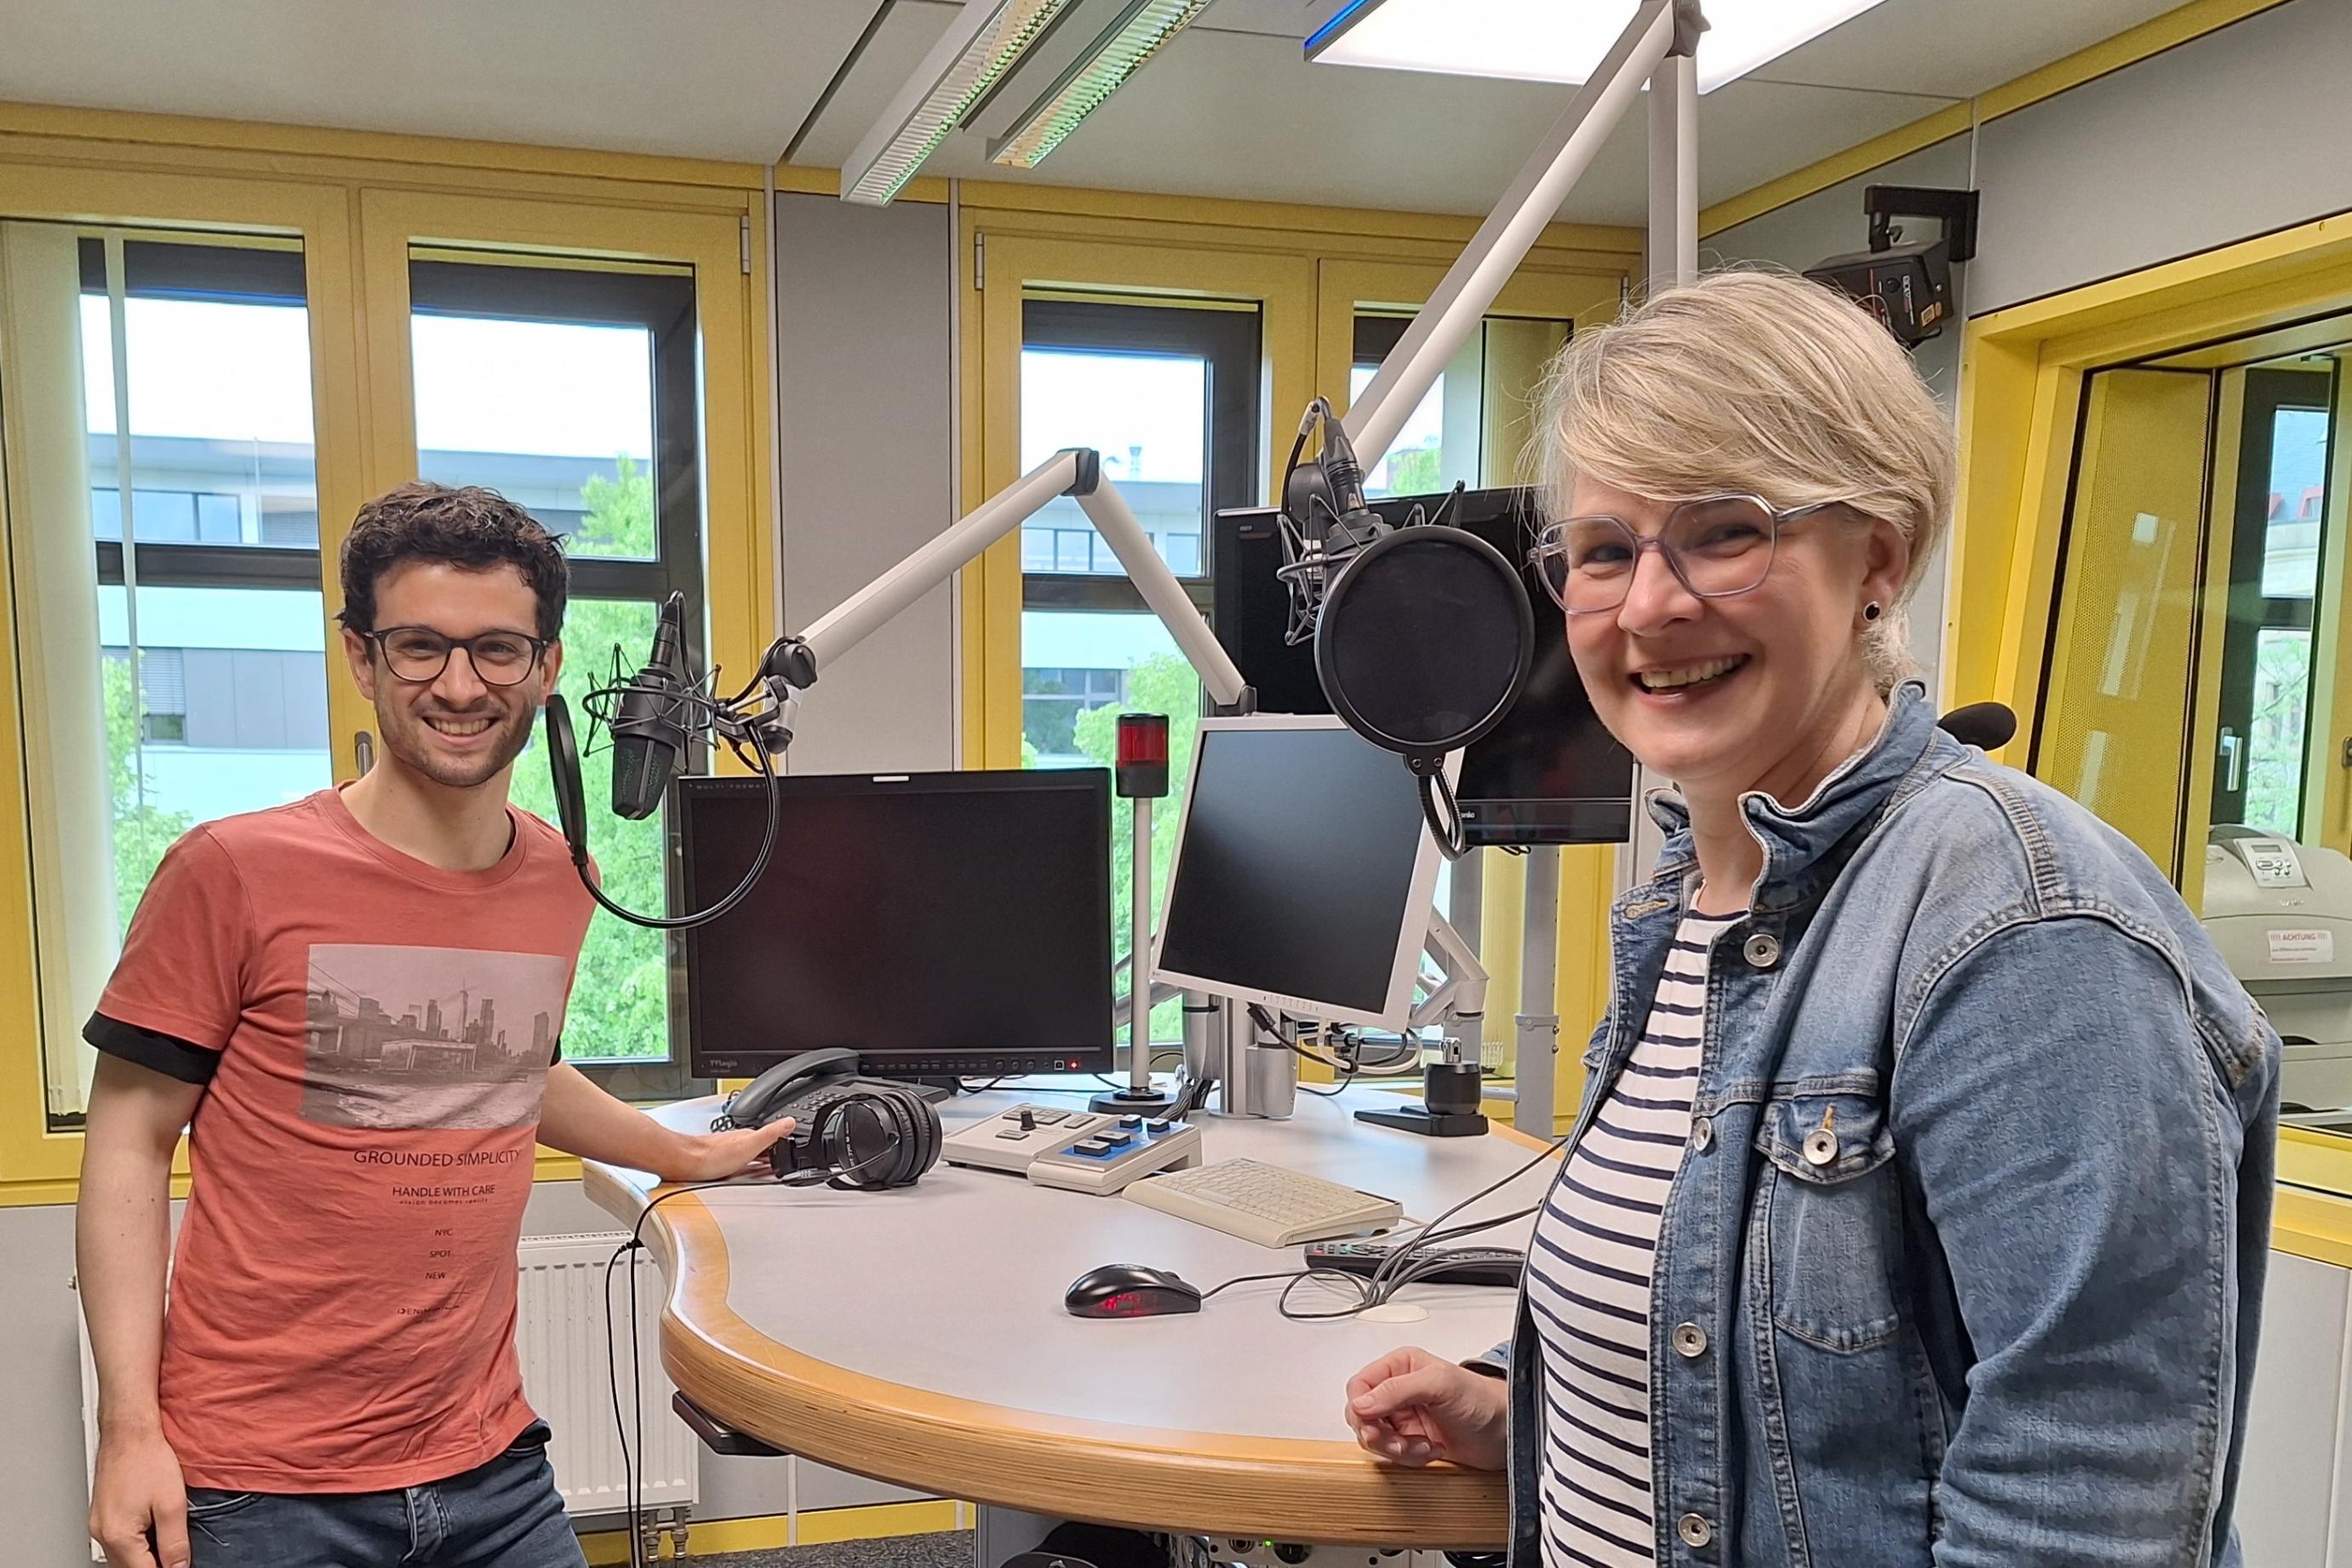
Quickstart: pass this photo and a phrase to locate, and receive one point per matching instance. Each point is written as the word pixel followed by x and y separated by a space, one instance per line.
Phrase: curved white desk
pixel 918 1336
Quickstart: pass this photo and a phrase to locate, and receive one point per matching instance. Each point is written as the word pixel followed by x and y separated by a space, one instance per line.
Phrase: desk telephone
pixel 852 1131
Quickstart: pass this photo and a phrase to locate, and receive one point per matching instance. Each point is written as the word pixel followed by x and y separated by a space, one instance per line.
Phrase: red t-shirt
pixel 342 1304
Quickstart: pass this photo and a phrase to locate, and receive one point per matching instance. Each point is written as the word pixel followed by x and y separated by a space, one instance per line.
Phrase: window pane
pixel 556 416
pixel 2274 739
pixel 1475 426
pixel 156 700
pixel 2298 501
pixel 572 392
pixel 220 419
pixel 620 1009
pixel 1081 670
pixel 1147 414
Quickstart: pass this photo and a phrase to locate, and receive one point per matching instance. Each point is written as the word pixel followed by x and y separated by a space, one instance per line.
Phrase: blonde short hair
pixel 1760 383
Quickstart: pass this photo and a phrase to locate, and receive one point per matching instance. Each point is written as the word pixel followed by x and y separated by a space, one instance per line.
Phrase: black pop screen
pixel 1548 774
pixel 1296 866
pixel 935 924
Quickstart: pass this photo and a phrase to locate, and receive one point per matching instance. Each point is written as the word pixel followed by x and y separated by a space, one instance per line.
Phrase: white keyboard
pixel 1270 1204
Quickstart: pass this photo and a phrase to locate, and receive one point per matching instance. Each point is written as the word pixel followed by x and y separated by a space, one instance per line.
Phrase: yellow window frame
pixel 355 202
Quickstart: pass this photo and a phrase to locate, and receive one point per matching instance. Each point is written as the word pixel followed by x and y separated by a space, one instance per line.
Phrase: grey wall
pixel 2243 131
pixel 863 409
pixel 1829 223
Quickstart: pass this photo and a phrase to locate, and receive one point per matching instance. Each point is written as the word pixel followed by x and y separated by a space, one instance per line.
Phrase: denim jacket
pixel 1964 1261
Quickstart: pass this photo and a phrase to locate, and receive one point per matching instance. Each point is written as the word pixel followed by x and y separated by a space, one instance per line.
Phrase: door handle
pixel 2232 748
pixel 364 751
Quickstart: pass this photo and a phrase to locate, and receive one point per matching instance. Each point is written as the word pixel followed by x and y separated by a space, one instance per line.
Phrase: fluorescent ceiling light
pixel 1114 56
pixel 980 47
pixel 1559 40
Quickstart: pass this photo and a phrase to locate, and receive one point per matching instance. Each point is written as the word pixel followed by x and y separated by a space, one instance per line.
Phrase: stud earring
pixel 1871 611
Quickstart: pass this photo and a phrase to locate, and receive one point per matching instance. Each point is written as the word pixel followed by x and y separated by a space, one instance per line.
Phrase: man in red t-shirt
pixel 353 1004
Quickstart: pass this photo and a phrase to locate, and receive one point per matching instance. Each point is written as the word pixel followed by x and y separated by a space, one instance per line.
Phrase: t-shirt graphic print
pixel 412 1038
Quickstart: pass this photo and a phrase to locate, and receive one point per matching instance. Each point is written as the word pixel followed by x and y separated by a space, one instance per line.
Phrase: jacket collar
pixel 1797 839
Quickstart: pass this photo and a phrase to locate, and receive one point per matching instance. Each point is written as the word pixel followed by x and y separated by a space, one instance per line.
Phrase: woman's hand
pixel 1410 1408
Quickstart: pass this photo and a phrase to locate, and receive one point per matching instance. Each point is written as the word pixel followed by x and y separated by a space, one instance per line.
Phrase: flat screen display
pixel 934 923
pixel 1304 872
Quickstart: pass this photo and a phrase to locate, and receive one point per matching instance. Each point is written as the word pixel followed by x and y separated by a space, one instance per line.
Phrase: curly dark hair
pixel 460 526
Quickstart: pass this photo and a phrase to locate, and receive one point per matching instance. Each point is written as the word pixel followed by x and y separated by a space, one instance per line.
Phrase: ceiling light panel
pixel 1559 40
pixel 980 47
pixel 1115 55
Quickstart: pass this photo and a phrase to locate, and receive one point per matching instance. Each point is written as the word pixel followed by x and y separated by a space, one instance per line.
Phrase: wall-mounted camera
pixel 1907 285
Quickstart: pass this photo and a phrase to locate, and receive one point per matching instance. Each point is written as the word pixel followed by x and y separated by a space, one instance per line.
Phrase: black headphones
pixel 873 1137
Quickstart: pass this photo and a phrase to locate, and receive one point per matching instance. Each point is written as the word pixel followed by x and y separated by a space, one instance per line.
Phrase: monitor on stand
pixel 939 925
pixel 1303 873
pixel 1548 774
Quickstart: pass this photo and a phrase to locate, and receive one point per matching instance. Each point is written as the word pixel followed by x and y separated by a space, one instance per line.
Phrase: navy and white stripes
pixel 1588 1281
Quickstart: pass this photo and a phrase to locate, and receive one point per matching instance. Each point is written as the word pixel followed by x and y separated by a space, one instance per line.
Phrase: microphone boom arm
pixel 1075 471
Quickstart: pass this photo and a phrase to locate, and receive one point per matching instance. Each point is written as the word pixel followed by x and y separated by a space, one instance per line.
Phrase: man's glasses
pixel 419 654
pixel 1717 547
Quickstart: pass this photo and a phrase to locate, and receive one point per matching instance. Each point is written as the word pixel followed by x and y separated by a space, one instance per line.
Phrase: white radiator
pixel 559 1335
pixel 559 1338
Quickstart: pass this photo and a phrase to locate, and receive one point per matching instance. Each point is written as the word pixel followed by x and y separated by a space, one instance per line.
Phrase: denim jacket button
pixel 1762 951
pixel 1690 1340
pixel 1702 1135
pixel 1694 1530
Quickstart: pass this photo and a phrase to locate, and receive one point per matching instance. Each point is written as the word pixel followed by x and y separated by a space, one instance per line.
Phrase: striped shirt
pixel 1588 1280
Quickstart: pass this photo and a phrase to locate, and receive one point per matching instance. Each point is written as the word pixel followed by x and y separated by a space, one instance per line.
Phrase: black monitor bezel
pixel 1093 784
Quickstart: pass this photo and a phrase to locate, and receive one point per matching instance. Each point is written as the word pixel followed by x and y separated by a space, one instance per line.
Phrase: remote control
pixel 1464 1265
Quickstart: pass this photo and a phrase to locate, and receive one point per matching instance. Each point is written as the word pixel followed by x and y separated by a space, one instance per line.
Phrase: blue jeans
pixel 505 1512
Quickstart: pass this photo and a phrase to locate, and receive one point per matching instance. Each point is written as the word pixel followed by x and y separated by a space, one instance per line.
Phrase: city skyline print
pixel 413 1039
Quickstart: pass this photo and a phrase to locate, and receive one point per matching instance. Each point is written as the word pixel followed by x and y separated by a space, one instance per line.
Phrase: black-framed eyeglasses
pixel 1718 547
pixel 419 654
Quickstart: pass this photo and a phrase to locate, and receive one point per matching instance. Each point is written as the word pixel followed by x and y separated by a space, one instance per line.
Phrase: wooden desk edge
pixel 1277 1488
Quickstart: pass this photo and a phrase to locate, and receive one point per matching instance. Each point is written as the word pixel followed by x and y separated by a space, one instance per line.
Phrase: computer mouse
pixel 1129 1290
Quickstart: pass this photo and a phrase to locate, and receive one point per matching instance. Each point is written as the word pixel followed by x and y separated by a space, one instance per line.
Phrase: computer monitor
pixel 936 924
pixel 1548 774
pixel 1303 873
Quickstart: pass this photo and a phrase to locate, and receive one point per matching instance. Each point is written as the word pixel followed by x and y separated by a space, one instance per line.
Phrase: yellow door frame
pixel 2021 402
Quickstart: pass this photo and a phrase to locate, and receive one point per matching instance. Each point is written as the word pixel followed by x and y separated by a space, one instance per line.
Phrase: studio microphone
pixel 1988 726
pixel 1330 520
pixel 648 725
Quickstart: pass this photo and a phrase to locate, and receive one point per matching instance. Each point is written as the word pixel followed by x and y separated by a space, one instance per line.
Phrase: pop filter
pixel 1423 641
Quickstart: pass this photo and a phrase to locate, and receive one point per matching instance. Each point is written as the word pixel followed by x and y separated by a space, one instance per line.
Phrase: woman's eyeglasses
pixel 1717 548
pixel 419 654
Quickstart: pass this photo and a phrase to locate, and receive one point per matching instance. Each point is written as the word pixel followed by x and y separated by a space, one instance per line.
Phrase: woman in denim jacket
pixel 1918 1206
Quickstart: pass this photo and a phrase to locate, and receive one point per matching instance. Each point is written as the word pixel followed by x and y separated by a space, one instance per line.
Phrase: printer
pixel 2281 915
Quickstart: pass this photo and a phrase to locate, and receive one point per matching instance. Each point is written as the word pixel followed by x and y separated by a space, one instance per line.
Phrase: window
pixel 181 647
pixel 2267 650
pixel 572 392
pixel 1169 396
pixel 1473 427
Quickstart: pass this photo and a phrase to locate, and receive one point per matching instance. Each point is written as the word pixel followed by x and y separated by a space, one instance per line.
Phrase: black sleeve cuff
pixel 165 1054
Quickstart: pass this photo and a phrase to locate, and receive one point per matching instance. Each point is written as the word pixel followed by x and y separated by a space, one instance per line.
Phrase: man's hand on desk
pixel 1410 1408
pixel 715 1156
pixel 580 1117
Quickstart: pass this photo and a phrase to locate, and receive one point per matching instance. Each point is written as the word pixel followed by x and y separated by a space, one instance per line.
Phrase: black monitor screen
pixel 935 924
pixel 1548 774
pixel 1296 875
